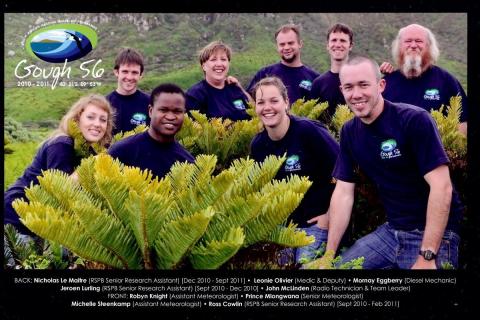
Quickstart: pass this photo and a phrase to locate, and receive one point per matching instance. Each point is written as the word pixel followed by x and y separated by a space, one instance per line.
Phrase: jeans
pixel 387 248
pixel 307 252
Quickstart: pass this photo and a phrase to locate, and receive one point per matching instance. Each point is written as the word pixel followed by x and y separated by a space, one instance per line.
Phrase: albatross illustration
pixel 78 41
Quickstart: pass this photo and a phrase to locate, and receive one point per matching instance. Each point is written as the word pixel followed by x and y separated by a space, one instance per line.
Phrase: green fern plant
pixel 122 135
pixel 226 139
pixel 122 217
pixel 342 115
pixel 453 141
pixel 308 109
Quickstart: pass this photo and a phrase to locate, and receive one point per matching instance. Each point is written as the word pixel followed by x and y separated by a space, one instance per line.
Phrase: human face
pixel 362 91
pixel 166 116
pixel 270 106
pixel 216 68
pixel 339 46
pixel 93 123
pixel 288 46
pixel 414 51
pixel 128 76
pixel 413 40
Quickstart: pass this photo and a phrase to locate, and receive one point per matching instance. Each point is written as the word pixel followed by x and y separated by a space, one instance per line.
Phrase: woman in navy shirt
pixel 93 115
pixel 218 95
pixel 311 152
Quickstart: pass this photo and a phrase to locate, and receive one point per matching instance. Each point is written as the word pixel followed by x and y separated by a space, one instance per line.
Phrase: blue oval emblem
pixel 58 45
pixel 139 117
pixel 292 160
pixel 388 145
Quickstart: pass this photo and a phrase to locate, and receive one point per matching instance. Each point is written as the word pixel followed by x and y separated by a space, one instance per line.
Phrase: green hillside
pixel 170 43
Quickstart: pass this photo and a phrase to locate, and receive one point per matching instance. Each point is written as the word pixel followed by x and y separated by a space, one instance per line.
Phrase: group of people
pixel 392 139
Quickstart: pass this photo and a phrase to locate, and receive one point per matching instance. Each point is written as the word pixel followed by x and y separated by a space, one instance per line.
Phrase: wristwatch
pixel 427 254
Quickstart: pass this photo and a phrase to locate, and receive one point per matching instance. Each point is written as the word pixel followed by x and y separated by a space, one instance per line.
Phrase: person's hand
pixel 74 177
pixel 325 262
pixel 386 67
pixel 421 263
pixel 232 80
pixel 321 220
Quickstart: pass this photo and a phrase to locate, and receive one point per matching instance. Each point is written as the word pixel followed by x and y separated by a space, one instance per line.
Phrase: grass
pixel 15 163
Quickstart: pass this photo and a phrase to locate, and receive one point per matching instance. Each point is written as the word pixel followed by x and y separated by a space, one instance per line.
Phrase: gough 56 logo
pixel 60 42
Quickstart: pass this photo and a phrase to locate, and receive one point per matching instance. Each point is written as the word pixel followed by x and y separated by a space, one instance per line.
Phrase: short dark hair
pixel 340 27
pixel 287 27
pixel 167 88
pixel 361 59
pixel 129 56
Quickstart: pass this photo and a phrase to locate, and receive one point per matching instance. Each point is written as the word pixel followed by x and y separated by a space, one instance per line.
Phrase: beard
pixel 289 60
pixel 413 65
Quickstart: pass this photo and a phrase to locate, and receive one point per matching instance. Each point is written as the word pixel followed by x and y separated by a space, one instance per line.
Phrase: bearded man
pixel 418 81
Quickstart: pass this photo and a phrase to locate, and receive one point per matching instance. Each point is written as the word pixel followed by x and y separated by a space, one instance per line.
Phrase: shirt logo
pixel 238 104
pixel 389 149
pixel 306 84
pixel 138 119
pixel 431 94
pixel 293 163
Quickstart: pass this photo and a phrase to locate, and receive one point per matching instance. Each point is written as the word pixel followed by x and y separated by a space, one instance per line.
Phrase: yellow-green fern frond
pixel 112 185
pixel 86 175
pixel 52 224
pixel 178 237
pixel 234 212
pixel 122 135
pixel 215 253
pixel 147 215
pixel 342 115
pixel 452 139
pixel 309 109
pixel 290 236
pixel 51 182
pixel 252 176
pixel 108 231
pixel 274 212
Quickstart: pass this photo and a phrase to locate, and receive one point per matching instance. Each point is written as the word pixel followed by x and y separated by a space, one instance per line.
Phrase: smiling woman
pixel 307 143
pixel 92 117
pixel 218 95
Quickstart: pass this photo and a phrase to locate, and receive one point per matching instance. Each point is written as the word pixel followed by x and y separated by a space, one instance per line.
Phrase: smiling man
pixel 398 147
pixel 327 86
pixel 297 77
pixel 156 149
pixel 130 104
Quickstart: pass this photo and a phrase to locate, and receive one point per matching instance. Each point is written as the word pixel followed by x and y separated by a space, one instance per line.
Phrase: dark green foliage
pixel 14 131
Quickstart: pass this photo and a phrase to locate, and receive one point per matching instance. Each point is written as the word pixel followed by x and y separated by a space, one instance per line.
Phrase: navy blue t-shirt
pixel 228 103
pixel 327 88
pixel 57 153
pixel 395 152
pixel 130 111
pixel 311 152
pixel 429 91
pixel 298 80
pixel 144 152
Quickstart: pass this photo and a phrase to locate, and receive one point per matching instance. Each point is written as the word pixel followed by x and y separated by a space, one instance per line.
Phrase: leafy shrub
pixel 121 217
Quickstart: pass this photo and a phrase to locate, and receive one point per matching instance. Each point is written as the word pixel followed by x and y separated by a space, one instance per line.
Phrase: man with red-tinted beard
pixel 418 81
pixel 156 149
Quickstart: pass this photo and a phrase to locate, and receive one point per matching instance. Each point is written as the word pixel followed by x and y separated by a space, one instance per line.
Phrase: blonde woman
pixel 94 118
